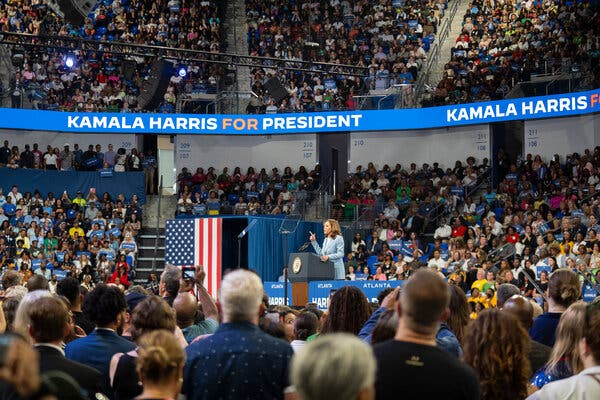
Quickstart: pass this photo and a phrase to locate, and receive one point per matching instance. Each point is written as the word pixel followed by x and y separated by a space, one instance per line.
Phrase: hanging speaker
pixel 275 89
pixel 154 88
pixel 74 11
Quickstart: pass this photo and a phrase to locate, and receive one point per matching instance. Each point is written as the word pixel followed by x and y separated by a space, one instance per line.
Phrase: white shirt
pixel 578 387
pixel 297 345
pixel 443 232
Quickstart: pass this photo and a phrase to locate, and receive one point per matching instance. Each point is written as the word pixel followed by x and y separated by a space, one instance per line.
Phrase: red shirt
pixel 459 232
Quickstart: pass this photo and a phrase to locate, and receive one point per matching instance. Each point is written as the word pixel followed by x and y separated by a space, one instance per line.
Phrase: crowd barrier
pixel 29 180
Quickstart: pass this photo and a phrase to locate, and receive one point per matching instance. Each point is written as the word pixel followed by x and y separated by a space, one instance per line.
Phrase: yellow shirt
pixel 77 230
pixel 80 201
pixel 478 284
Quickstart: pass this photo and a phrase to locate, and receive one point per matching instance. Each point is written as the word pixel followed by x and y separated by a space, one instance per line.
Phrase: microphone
pixel 304 246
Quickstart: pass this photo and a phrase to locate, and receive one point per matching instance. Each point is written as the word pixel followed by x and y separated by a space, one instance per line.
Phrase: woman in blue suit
pixel 333 247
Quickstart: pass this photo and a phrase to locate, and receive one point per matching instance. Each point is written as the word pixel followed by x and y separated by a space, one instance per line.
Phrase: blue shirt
pixel 96 350
pixel 238 362
pixel 544 327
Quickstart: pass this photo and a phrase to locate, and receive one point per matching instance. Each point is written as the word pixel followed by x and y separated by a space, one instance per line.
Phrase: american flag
pixel 191 242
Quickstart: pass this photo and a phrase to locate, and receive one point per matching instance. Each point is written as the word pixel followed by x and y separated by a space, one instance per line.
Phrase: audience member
pixel 337 366
pixel 563 290
pixel 348 311
pixel 564 359
pixel 584 385
pixel 501 364
pixel 522 309
pixel 257 364
pixel 160 365
pixel 151 314
pixel 49 325
pixel 413 354
pixel 105 307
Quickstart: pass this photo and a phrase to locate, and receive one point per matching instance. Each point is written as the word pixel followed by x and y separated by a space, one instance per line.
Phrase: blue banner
pixel 373 120
pixel 275 292
pixel 319 291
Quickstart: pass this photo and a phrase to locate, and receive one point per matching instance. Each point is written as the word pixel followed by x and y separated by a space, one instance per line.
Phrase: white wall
pixel 193 151
pixel 58 139
pixel 562 136
pixel 444 146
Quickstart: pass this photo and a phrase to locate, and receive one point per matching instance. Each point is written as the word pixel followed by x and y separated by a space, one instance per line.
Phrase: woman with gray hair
pixel 336 366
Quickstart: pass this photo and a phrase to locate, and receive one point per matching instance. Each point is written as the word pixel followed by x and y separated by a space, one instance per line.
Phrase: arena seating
pixel 208 192
pixel 109 81
pixel 390 38
pixel 504 43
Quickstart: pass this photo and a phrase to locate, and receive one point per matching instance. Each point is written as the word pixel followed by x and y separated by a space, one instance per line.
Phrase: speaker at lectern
pixel 307 267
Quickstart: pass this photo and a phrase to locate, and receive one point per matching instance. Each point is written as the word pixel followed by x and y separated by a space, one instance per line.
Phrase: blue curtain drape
pixel 29 180
pixel 266 245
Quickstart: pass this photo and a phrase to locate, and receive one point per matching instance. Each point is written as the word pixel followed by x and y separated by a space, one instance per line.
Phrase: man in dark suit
pixel 50 324
pixel 105 306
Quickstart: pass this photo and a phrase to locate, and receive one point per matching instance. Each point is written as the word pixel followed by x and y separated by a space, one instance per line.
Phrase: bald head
pixel 521 308
pixel 424 300
pixel 186 308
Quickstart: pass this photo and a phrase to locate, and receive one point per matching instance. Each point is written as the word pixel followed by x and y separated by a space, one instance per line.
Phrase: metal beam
pixel 68 43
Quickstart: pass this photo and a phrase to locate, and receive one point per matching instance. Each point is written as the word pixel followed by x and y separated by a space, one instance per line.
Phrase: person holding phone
pixel 333 247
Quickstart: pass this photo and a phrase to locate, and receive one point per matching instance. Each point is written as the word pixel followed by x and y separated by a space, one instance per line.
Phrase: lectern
pixel 304 268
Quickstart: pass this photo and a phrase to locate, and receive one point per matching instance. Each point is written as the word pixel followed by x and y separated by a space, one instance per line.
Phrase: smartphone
pixel 188 273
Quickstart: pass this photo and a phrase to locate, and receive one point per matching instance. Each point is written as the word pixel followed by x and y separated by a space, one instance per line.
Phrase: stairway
pixel 437 71
pixel 237 42
pixel 146 241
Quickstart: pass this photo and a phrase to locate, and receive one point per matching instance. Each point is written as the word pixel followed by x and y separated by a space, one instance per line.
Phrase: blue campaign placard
pixel 60 274
pixel 589 293
pixel 35 263
pixel 275 291
pixel 319 291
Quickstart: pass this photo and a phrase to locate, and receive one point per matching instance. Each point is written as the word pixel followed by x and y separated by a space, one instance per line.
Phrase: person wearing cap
pixel 79 200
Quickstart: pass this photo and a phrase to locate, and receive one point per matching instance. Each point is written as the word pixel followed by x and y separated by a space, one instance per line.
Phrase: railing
pixel 433 55
pixel 158 214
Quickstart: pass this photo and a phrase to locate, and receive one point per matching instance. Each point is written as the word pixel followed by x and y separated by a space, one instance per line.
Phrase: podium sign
pixel 308 267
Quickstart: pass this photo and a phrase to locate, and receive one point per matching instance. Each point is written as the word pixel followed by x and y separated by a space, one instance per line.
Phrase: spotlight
pixel 182 71
pixel 69 61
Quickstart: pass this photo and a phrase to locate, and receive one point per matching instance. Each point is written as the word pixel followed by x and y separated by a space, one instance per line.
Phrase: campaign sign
pixel 275 292
pixel 60 274
pixel 589 293
pixel 319 291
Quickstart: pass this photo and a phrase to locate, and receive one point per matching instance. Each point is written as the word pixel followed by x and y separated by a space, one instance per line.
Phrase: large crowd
pixel 503 43
pixel 106 80
pixel 208 192
pixel 89 236
pixel 136 343
pixel 389 39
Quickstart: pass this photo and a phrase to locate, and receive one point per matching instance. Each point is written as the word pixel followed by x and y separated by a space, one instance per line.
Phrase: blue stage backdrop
pixel 262 247
pixel 265 244
pixel 29 180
